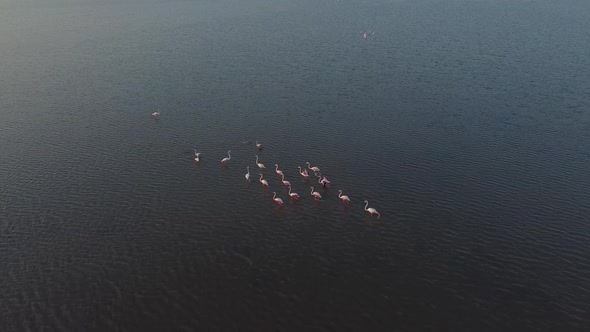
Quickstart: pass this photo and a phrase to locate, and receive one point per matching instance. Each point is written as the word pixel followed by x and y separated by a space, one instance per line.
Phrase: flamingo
pixel 247 176
pixel 264 182
pixel 260 165
pixel 286 183
pixel 371 210
pixel 323 181
pixel 367 34
pixel 344 198
pixel 315 194
pixel 258 145
pixel 226 159
pixel 277 200
pixel 293 195
pixel 303 173
pixel 314 169
pixel 197 156
pixel 279 172
pixel 156 114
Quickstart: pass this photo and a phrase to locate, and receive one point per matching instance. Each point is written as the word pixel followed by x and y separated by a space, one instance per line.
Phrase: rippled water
pixel 464 123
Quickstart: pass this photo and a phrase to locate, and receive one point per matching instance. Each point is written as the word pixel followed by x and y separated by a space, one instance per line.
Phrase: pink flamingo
pixel 279 172
pixel 260 165
pixel 286 183
pixel 277 200
pixel 226 159
pixel 258 145
pixel 156 114
pixel 197 156
pixel 314 169
pixel 315 194
pixel 293 195
pixel 344 198
pixel 264 182
pixel 323 181
pixel 367 34
pixel 371 210
pixel 303 173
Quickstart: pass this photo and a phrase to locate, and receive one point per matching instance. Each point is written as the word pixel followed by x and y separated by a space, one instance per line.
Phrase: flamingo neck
pixel 366 206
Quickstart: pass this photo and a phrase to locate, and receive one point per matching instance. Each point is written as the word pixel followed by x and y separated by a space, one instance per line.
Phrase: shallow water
pixel 464 123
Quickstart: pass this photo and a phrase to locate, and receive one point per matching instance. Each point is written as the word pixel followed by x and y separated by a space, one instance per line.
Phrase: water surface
pixel 464 123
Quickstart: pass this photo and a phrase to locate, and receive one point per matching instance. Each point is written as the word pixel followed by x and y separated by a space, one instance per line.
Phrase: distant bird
pixel 286 183
pixel 367 34
pixel 279 172
pixel 226 159
pixel 314 169
pixel 156 114
pixel 293 195
pixel 247 176
pixel 259 145
pixel 197 156
pixel 371 210
pixel 260 165
pixel 303 173
pixel 323 181
pixel 277 200
pixel 344 198
pixel 315 194
pixel 264 182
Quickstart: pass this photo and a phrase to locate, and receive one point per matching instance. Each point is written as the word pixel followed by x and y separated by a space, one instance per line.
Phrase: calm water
pixel 465 124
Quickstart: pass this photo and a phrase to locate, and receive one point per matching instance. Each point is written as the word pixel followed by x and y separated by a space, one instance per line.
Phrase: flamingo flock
pixel 321 179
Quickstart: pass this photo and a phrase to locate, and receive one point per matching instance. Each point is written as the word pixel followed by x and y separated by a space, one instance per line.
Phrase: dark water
pixel 464 123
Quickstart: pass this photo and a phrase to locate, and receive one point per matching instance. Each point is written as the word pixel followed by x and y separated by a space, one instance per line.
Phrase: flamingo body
pixel 226 159
pixel 278 171
pixel 344 198
pixel 260 165
pixel 293 195
pixel 323 181
pixel 303 172
pixel 314 169
pixel 264 182
pixel 315 194
pixel 371 210
pixel 286 183
pixel 277 200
